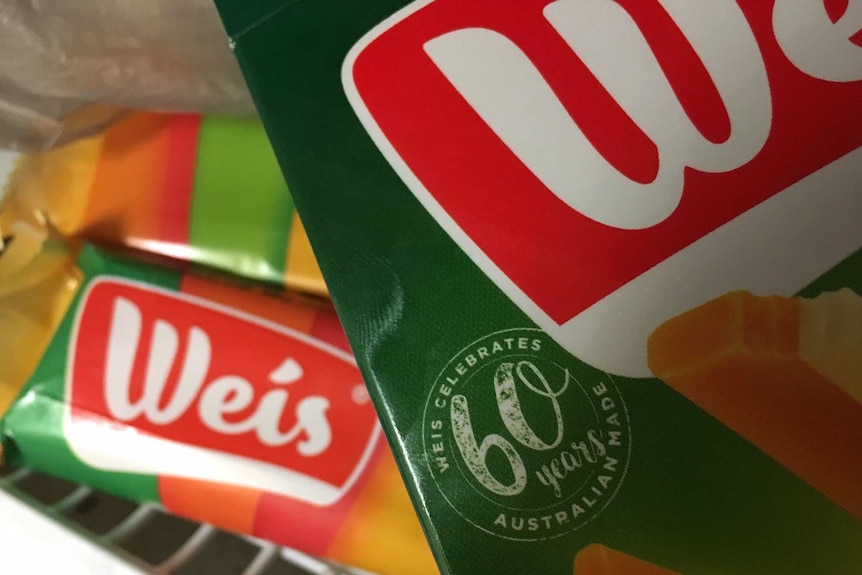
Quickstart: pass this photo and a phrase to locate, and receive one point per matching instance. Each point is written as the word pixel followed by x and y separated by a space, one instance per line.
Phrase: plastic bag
pixel 70 68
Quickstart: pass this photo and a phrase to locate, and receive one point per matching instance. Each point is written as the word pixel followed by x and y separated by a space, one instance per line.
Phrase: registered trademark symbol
pixel 359 394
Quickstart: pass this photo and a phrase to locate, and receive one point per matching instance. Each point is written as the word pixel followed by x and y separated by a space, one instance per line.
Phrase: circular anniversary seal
pixel 521 440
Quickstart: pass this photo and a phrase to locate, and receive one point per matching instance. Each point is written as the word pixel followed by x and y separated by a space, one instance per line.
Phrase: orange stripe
pixel 381 531
pixel 291 314
pixel 597 559
pixel 127 186
pixel 225 506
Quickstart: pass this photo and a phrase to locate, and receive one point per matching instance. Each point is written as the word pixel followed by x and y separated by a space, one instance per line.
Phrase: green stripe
pixel 241 209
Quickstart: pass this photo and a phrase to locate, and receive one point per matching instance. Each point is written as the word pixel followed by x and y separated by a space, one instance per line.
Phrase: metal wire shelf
pixel 113 536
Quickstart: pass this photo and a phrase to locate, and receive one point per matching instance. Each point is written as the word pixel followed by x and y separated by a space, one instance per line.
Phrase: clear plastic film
pixel 70 68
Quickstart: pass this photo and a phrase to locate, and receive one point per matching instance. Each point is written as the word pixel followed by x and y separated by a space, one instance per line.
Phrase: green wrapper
pixel 160 386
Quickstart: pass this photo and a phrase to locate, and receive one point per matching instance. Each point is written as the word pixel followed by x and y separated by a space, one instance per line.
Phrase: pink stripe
pixel 179 179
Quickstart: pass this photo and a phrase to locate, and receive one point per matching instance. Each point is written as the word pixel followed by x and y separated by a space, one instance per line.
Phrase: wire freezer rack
pixel 45 520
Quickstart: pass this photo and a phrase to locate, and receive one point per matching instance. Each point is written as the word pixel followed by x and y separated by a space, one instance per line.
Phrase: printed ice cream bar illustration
pixel 597 559
pixel 784 373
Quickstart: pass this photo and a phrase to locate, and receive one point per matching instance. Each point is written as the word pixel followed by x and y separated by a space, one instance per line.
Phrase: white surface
pixel 32 543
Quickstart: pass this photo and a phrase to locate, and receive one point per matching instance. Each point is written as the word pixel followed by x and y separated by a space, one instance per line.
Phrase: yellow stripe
pixel 301 270
pixel 30 317
pixel 58 182
pixel 381 531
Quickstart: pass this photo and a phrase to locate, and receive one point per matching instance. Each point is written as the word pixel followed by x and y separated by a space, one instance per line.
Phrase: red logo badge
pixel 576 149
pixel 200 390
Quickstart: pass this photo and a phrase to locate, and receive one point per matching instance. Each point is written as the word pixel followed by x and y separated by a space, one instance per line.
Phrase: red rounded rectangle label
pixel 162 382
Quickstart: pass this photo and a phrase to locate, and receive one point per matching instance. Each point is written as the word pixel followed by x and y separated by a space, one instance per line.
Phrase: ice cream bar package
pixel 599 262
pixel 204 189
pixel 227 406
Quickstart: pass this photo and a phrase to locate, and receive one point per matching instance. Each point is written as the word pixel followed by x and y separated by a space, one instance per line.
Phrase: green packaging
pixel 600 266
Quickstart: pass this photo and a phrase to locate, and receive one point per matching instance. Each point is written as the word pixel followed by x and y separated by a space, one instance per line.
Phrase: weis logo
pixel 610 164
pixel 517 444
pixel 164 383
